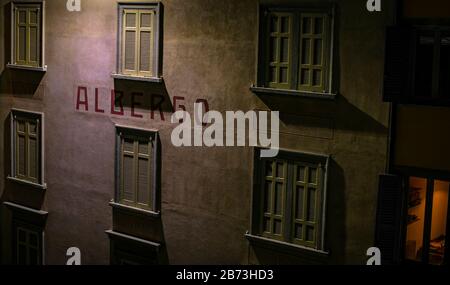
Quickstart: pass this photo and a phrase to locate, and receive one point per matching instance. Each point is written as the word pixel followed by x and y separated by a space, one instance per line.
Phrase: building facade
pixel 86 158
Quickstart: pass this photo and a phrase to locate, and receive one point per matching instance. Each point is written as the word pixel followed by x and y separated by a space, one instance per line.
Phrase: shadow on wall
pixel 335 236
pixel 140 225
pixel 140 95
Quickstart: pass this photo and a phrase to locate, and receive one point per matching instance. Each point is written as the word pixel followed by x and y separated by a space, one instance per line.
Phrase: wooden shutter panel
pixel 389 218
pixel 398 63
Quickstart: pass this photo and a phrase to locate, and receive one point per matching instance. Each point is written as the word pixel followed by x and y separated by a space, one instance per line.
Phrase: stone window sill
pixel 296 93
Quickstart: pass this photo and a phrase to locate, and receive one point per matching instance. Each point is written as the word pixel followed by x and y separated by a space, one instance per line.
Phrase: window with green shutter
pixel 136 170
pixel 295 51
pixel 27 146
pixel 27 34
pixel 139 40
pixel 289 202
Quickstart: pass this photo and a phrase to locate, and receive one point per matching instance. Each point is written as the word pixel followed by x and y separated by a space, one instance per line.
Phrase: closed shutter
pixel 389 218
pixel 130 29
pixel 27 31
pixel 145 43
pixel 398 64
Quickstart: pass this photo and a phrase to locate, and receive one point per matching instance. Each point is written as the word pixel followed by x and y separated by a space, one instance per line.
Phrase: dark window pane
pixel 283 75
pixel 267 225
pixel 304 77
pixel 273 49
pixel 278 199
pixel 277 227
pixel 444 80
pixel 269 168
pixel 309 233
pixel 299 202
pixel 280 170
pixel 317 77
pixel 317 52
pixel 306 50
pixel 267 197
pixel 274 23
pixel 284 50
pixel 298 234
pixel 300 173
pixel 21 153
pixel 312 175
pixel 285 24
pixel 22 43
pixel 424 66
pixel 318 26
pixel 311 204
pixel 306 25
pixel 273 74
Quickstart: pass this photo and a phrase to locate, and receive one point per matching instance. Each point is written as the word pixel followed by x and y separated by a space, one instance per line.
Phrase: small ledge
pixel 137 78
pixel 24 208
pixel 286 245
pixel 28 183
pixel 114 234
pixel 29 68
pixel 304 94
pixel 135 210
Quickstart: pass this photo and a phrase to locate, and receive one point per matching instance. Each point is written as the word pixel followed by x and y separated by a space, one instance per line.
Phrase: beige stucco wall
pixel 209 51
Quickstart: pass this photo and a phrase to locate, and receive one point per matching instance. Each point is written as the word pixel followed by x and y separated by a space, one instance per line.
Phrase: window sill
pixel 284 245
pixel 114 234
pixel 137 78
pixel 29 68
pixel 28 183
pixel 24 208
pixel 135 210
pixel 296 93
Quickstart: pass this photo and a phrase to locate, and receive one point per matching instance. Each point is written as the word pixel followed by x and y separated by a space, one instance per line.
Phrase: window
pixel 28 249
pixel 27 35
pixel 417 65
pixel 26 147
pixel 139 40
pixel 136 168
pixel 427 218
pixel 289 198
pixel 295 51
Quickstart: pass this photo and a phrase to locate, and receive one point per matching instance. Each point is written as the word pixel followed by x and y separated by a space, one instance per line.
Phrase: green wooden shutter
pixel 145 42
pixel 307 192
pixel 279 47
pixel 136 172
pixel 398 64
pixel 275 182
pixel 27 23
pixel 130 42
pixel 389 218
pixel 313 52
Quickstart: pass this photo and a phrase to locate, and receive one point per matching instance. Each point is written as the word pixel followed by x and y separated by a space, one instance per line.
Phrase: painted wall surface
pixel 209 52
pixel 421 137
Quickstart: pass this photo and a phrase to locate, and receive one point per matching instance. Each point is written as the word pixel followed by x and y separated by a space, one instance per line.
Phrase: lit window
pixel 136 167
pixel 139 40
